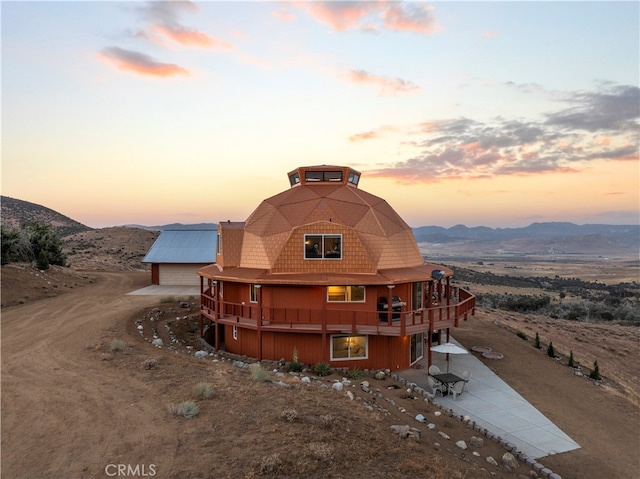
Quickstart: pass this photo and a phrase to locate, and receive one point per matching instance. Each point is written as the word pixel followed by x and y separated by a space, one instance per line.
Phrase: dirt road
pixel 65 413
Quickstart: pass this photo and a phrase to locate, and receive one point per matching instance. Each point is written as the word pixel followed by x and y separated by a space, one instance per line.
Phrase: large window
pixel 349 347
pixel 322 246
pixel 352 294
pixel 416 296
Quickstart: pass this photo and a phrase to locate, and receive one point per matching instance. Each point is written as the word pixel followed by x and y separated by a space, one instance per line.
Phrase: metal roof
pixel 183 246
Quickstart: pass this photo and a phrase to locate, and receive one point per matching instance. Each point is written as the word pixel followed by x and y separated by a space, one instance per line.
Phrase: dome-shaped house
pixel 329 271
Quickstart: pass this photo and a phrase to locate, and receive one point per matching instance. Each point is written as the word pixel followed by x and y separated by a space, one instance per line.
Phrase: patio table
pixel 448 379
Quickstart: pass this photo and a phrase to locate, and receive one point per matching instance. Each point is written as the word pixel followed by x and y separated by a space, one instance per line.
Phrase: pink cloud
pixel 387 86
pixel 490 34
pixel 187 37
pixel 415 18
pixel 140 63
pixel 373 134
pixel 340 16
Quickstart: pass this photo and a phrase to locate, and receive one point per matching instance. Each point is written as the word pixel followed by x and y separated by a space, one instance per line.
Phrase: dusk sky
pixel 478 113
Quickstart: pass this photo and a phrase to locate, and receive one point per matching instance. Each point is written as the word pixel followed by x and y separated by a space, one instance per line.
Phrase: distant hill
pixel 177 226
pixel 537 238
pixel 18 213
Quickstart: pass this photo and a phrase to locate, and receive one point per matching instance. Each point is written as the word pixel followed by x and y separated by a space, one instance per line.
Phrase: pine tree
pixel 550 351
pixel 595 372
pixel 571 362
pixel 536 343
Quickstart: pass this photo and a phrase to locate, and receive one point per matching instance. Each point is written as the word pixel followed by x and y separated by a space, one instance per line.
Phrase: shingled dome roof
pixel 322 197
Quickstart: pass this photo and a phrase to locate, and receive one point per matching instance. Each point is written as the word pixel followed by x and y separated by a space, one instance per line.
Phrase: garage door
pixel 180 274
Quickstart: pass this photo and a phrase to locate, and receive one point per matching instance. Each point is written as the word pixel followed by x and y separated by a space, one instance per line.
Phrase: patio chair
pixel 456 389
pixel 435 386
pixel 466 376
pixel 433 369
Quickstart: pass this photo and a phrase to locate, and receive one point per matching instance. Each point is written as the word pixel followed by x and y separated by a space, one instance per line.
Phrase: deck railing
pixel 440 316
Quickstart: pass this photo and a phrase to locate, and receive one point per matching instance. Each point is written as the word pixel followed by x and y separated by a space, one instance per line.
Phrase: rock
pixel 492 461
pixel 306 379
pixel 337 386
pixel 461 444
pixel 380 375
pixel 239 364
pixel 437 413
pixel 184 304
pixel 420 418
pixel 476 441
pixel 201 354
pixel 364 384
pixel 444 435
pixel 509 461
pixel 476 453
pixel 157 342
pixel 140 327
pixel 350 395
pixel 431 425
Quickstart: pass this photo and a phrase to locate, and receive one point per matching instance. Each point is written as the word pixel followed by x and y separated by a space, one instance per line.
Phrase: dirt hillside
pixel 78 406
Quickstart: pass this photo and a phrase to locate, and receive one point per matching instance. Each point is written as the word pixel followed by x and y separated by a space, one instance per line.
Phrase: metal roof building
pixel 177 255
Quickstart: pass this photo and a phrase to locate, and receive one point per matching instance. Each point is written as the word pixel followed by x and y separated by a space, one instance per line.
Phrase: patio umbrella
pixel 448 348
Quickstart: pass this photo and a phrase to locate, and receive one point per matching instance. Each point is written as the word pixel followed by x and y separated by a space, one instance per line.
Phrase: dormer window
pixel 353 178
pixel 323 246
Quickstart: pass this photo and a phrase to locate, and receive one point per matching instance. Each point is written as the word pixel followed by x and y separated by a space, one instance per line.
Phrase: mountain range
pixel 558 236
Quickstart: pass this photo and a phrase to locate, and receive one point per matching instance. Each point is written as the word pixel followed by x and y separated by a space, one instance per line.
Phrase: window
pixel 294 179
pixel 218 244
pixel 354 178
pixel 316 176
pixel 416 352
pixel 235 332
pixel 416 296
pixel 349 347
pixel 322 246
pixel 353 294
pixel 253 293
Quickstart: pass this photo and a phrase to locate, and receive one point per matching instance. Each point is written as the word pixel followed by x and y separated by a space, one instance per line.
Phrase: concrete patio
pixel 495 406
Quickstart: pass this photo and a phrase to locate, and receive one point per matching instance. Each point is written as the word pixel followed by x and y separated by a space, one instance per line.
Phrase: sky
pixel 497 114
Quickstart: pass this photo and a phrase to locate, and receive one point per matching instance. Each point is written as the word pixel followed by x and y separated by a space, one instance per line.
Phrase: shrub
pixel 326 421
pixel 550 351
pixel 168 299
pixel 595 372
pixel 571 363
pixel 203 391
pixel 296 366
pixel 118 345
pixel 258 373
pixel 355 373
pixel 321 451
pixel 149 363
pixel 43 260
pixel 289 414
pixel 270 463
pixel 522 335
pixel 536 342
pixel 187 409
pixel 322 368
